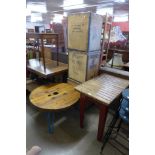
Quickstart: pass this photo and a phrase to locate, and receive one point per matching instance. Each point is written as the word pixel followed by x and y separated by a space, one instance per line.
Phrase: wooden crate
pixel 83 66
pixel 73 82
pixel 84 31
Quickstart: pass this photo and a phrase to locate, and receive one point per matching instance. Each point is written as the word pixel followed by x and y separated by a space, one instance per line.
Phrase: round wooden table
pixel 54 97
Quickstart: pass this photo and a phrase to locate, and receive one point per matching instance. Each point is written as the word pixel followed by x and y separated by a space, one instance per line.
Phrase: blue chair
pixel 122 113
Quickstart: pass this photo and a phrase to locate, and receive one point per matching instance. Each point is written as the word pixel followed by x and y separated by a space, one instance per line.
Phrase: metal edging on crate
pixel 90 16
pixel 88 45
pixel 67 34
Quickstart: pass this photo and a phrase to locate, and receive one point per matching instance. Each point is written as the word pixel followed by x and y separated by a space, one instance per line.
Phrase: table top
pixel 104 88
pixel 54 97
pixel 36 66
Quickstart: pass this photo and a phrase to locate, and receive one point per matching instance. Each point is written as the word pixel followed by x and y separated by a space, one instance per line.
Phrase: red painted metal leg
pixel 82 107
pixel 102 120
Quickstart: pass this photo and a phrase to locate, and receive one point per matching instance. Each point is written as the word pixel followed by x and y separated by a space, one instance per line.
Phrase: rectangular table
pixel 36 66
pixel 102 90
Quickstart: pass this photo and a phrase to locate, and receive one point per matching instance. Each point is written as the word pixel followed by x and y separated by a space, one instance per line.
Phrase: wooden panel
pixel 93 65
pixel 104 88
pixel 78 31
pixel 54 97
pixel 77 65
pixel 83 66
pixel 95 32
pixel 84 31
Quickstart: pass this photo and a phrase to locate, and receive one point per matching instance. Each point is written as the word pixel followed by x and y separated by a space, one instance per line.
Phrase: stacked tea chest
pixel 84 43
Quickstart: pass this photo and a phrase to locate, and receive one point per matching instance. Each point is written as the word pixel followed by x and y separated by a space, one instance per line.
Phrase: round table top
pixel 54 96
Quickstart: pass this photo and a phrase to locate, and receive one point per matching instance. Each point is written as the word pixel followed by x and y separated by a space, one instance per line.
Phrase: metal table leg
pixel 50 122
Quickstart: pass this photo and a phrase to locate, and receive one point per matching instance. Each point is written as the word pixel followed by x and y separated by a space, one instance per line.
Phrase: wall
pixel 123 25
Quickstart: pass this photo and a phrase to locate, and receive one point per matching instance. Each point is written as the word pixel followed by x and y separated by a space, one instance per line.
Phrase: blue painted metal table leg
pixel 50 122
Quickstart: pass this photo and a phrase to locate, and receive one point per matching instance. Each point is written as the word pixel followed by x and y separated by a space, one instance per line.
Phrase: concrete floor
pixel 68 138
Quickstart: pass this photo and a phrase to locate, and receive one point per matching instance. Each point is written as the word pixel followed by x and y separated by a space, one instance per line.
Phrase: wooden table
pixel 54 97
pixel 36 66
pixel 102 90
pixel 115 72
